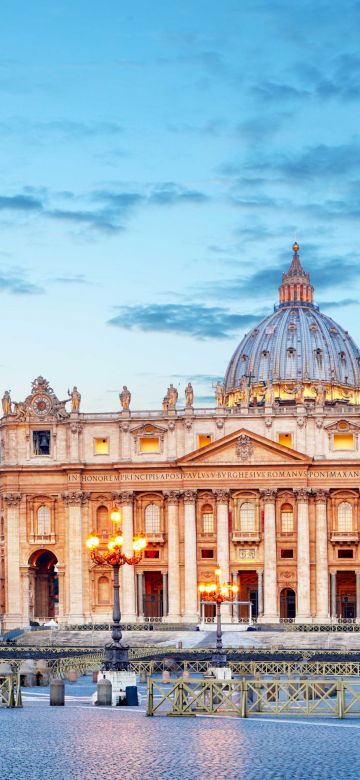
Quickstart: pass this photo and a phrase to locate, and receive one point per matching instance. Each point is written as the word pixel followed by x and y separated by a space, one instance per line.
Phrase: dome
pixel 295 345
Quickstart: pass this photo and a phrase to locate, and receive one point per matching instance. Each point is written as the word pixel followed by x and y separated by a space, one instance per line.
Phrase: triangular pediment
pixel 243 447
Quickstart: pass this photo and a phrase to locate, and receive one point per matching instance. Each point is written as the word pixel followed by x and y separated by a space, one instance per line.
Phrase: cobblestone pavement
pixel 80 741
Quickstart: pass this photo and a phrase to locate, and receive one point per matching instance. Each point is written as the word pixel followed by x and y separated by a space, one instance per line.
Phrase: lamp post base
pixel 116 657
pixel 218 658
pixel 120 680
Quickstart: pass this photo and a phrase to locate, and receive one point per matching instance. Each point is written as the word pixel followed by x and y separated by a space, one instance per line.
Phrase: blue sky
pixel 157 161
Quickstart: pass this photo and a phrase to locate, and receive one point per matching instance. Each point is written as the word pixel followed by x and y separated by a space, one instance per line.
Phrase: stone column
pixel 165 593
pixel 260 576
pixel 191 598
pixel 128 608
pixel 271 613
pixel 75 431
pixel 13 589
pixel 303 613
pixel 75 538
pixel 333 594
pixel 322 574
pixel 173 556
pixel 222 536
pixel 140 593
pixel 357 573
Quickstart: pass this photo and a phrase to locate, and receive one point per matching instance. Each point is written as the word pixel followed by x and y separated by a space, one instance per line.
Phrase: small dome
pixel 295 344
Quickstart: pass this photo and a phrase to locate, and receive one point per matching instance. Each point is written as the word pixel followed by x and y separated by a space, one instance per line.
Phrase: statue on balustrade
pixel 75 397
pixel 189 395
pixel 6 403
pixel 219 394
pixel 172 396
pixel 320 394
pixel 125 398
pixel 269 394
pixel 244 392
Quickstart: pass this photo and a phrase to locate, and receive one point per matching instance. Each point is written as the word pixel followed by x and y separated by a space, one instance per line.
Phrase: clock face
pixel 41 404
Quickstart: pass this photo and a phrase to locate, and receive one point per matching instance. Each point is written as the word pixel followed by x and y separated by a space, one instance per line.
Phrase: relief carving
pixel 244 447
pixel 75 498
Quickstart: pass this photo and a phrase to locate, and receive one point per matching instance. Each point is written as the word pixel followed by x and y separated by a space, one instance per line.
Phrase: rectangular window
pixel 101 446
pixel 207 553
pixel 345 553
pixel 152 554
pixel 285 439
pixel 204 439
pixel 343 441
pixel 149 444
pixel 287 553
pixel 41 442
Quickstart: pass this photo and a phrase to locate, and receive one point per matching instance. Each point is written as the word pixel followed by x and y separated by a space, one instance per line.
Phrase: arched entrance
pixel 287 604
pixel 44 585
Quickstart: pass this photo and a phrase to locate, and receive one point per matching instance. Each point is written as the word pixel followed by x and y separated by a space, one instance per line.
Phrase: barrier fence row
pixel 247 698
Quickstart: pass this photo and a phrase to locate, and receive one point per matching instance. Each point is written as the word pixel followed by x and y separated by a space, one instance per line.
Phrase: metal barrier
pixel 10 690
pixel 247 698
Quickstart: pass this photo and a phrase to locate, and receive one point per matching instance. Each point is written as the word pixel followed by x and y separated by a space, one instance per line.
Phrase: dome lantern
pixel 296 287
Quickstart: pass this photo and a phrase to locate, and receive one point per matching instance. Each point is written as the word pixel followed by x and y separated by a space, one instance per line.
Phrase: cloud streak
pixel 196 320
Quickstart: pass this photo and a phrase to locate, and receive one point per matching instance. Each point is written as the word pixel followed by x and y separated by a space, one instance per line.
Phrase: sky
pixel 157 161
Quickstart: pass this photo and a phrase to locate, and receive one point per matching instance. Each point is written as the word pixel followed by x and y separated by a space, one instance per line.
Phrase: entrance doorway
pixel 44 585
pixel 287 604
pixel 346 594
pixel 248 592
pixel 153 594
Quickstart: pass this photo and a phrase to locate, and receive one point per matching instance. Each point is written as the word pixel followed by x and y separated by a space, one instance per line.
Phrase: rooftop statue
pixel 189 395
pixel 6 403
pixel 125 398
pixel 75 397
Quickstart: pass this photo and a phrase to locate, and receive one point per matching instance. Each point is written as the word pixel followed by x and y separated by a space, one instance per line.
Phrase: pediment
pixel 243 447
pixel 148 429
pixel 342 426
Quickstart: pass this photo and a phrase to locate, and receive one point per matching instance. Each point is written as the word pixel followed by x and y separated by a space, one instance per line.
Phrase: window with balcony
pixel 152 519
pixel 43 521
pixel 345 517
pixel 246 521
pixel 287 519
pixel 207 518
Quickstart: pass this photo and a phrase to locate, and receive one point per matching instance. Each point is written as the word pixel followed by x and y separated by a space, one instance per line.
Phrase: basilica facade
pixel 265 484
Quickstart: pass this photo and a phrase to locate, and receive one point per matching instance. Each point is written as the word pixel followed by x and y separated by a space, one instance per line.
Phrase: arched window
pixel 102 521
pixel 43 521
pixel 207 519
pixel 345 516
pixel 287 519
pixel 152 519
pixel 247 516
pixel 103 590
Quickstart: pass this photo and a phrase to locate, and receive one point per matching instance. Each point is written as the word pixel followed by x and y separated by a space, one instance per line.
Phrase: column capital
pixel 124 496
pixel 222 496
pixel 321 495
pixel 302 494
pixel 75 498
pixel 189 496
pixel 172 496
pixel 268 495
pixel 260 572
pixel 12 499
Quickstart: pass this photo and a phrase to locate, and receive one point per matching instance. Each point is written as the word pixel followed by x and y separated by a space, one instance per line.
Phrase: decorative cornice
pixel 75 498
pixel 12 499
pixel 189 496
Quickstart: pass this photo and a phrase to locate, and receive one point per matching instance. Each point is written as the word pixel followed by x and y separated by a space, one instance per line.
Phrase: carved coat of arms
pixel 244 447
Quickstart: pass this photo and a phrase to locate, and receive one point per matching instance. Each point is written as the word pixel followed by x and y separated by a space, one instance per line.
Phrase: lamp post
pixel 116 654
pixel 218 592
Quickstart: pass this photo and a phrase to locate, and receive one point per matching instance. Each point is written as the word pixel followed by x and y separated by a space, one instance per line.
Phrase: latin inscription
pixel 183 476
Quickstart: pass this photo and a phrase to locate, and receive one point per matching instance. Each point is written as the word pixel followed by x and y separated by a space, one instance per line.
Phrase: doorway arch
pixel 44 584
pixel 287 604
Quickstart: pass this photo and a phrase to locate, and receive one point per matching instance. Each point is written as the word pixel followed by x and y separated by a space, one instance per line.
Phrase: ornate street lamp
pixel 218 593
pixel 116 654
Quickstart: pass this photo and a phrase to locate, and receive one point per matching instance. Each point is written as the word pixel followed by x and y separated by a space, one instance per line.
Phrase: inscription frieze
pixel 230 475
